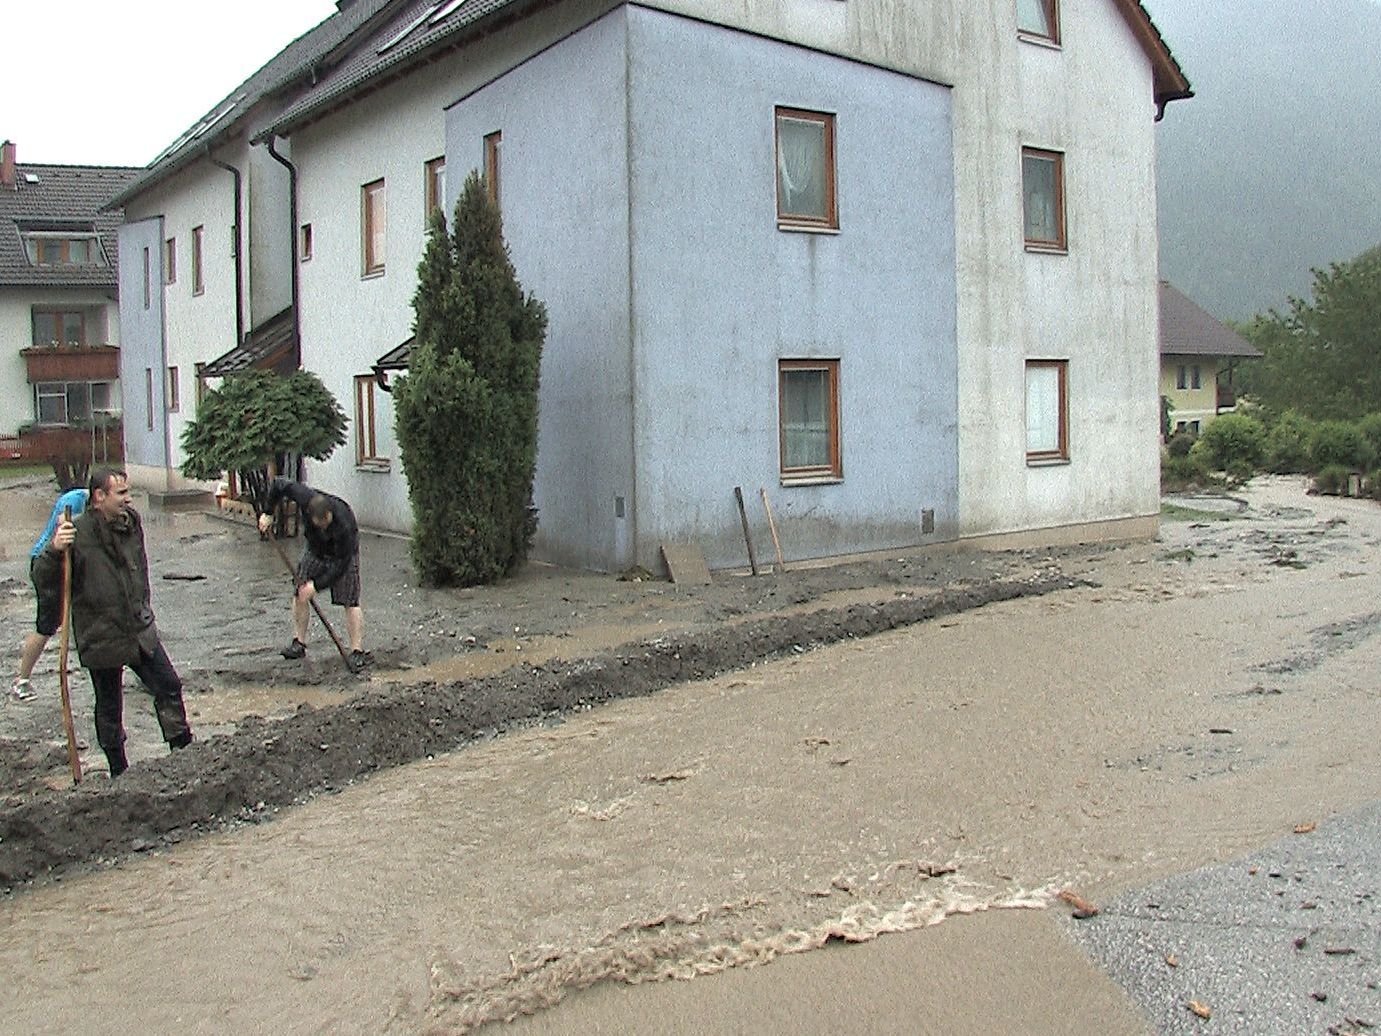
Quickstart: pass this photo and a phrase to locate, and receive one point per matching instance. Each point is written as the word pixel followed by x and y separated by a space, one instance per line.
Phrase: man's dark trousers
pixel 160 679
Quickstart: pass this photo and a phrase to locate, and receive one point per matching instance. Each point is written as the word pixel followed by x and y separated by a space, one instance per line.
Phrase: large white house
pixel 893 263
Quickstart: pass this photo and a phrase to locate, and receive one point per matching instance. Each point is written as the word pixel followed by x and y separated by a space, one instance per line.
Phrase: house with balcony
pixel 895 263
pixel 59 315
pixel 1198 357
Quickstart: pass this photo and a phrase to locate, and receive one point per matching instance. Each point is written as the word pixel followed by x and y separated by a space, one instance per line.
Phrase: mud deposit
pixel 247 775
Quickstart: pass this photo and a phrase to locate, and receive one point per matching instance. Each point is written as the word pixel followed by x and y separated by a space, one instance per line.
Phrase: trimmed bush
pixel 1234 441
pixel 1339 443
pixel 1287 443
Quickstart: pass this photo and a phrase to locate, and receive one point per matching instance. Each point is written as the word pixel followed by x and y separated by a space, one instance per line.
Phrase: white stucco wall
pixel 349 321
pixel 197 328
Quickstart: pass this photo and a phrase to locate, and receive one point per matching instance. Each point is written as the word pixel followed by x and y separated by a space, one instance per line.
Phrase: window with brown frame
pixel 808 420
pixel 493 148
pixel 1039 19
pixel 46 249
pixel 148 397
pixel 304 242
pixel 199 384
pixel 1047 410
pixel 174 393
pixel 170 261
pixel 1043 199
pixel 805 170
pixel 148 288
pixel 367 452
pixel 372 226
pixel 198 285
pixel 435 173
pixel 59 327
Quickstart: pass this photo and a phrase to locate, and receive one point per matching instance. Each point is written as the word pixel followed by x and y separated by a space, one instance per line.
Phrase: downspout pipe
pixel 292 246
pixel 237 246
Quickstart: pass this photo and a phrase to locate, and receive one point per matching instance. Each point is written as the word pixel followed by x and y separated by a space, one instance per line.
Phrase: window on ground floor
pixel 370 450
pixel 808 403
pixel 66 402
pixel 1047 410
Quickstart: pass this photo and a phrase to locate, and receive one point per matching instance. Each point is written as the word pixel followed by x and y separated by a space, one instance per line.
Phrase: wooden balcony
pixel 72 363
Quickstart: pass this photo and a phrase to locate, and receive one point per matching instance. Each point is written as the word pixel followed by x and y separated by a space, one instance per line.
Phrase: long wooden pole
pixel 315 607
pixel 748 539
pixel 772 524
pixel 72 757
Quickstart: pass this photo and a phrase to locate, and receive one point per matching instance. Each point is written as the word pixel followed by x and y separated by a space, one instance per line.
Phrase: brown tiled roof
pixel 57 198
pixel 269 346
pixel 1168 81
pixel 1188 330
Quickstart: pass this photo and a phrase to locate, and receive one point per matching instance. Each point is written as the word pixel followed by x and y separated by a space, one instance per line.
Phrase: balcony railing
pixel 72 362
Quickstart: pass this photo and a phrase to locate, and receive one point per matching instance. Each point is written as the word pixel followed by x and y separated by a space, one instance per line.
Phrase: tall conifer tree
pixel 467 407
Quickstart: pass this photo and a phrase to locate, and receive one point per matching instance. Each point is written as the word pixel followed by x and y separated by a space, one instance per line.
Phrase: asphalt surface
pixel 1284 942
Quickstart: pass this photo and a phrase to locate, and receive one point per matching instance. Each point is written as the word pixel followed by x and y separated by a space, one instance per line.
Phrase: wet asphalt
pixel 1284 942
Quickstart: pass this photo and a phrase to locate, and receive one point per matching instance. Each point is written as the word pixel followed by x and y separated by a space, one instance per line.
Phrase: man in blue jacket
pixel 331 560
pixel 49 601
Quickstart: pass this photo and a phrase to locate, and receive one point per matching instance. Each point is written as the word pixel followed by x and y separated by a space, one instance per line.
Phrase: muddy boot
pixel 181 741
pixel 357 660
pixel 118 763
pixel 296 649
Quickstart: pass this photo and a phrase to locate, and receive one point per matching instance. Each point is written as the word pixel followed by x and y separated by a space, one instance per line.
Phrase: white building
pixel 897 265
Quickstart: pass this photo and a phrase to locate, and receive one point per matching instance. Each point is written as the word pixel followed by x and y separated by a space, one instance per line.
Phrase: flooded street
pixel 1211 692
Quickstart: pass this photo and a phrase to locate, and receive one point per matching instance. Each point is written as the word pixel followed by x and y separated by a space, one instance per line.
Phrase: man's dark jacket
pixel 337 544
pixel 112 617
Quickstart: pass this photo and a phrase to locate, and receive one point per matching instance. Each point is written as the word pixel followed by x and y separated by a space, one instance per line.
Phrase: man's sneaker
pixel 296 649
pixel 358 660
pixel 21 689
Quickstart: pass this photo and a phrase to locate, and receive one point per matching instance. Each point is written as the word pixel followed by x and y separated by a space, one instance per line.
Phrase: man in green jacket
pixel 111 614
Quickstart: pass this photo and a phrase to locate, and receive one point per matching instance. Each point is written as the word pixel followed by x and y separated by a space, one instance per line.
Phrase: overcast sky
pixel 114 82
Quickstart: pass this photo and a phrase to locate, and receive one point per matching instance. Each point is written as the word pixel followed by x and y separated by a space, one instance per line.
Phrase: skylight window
pixel 406 31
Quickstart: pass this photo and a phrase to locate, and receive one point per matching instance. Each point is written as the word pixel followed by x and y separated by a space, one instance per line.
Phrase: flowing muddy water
pixel 1214 691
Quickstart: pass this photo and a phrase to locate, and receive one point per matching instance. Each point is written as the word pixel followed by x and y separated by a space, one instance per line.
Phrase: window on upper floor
pixel 304 242
pixel 805 170
pixel 808 420
pixel 435 175
pixel 372 226
pixel 198 238
pixel 1047 411
pixel 1039 19
pixel 198 384
pixel 59 327
pixel 170 261
pixel 1043 199
pixel 493 148
pixel 174 391
pixel 63 248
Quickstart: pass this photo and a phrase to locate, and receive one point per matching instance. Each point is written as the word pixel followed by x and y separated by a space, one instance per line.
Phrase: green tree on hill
pixel 1322 358
pixel 467 406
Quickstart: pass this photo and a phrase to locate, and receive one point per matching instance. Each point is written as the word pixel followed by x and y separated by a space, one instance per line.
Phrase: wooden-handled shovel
pixel 72 756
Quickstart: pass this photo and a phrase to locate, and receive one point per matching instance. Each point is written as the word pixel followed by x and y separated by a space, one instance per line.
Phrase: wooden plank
pixel 686 564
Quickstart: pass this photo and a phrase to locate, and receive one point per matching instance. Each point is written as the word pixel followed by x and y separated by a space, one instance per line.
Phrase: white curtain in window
pixel 1033 17
pixel 801 167
pixel 805 418
pixel 1038 182
pixel 1042 409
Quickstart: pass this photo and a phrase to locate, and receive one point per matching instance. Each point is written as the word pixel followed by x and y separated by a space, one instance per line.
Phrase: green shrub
pixel 1234 441
pixel 1180 443
pixel 1370 427
pixel 1339 443
pixel 1180 473
pixel 1371 485
pixel 1331 479
pixel 1287 443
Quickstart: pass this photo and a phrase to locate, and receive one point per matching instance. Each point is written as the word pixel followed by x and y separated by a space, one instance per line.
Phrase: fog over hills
pixel 1274 166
